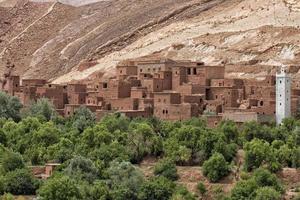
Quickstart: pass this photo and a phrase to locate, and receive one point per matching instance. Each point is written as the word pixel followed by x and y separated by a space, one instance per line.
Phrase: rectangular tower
pixel 283 95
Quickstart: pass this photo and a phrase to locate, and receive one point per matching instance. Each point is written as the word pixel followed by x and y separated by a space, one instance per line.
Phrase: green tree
pixel 259 152
pixel 124 180
pixel 251 188
pixel 11 161
pixel 62 151
pixel 166 168
pixel 96 191
pixel 20 182
pixel 230 131
pixel 157 188
pixel 216 167
pixel 9 107
pixel 82 169
pixel 141 141
pixel 267 193
pixel 83 118
pixel 59 188
pixel 42 109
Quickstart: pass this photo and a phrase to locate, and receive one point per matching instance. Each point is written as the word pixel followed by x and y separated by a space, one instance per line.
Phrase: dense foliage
pixel 99 158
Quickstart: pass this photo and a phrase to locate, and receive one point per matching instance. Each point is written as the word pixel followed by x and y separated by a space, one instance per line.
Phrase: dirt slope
pixel 50 40
pixel 53 43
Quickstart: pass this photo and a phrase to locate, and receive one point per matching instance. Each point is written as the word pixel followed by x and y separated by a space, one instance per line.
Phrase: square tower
pixel 283 95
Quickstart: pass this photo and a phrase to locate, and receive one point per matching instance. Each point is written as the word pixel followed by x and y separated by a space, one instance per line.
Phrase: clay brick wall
pixel 126 71
pixel 53 93
pixel 33 82
pixel 167 98
pixel 232 83
pixel 179 77
pixel 153 85
pixel 214 106
pixel 76 88
pixel 77 98
pixel 138 92
pixel 189 89
pixel 113 89
pixel 176 112
pixel 213 120
pixel 12 85
pixel 124 104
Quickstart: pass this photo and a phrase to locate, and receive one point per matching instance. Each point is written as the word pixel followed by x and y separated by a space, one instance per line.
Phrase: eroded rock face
pixel 50 40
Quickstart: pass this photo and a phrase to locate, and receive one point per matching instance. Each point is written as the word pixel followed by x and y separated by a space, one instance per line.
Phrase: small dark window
pixel 195 71
pixel 104 85
pixel 167 111
pixel 189 71
pixel 163 111
pixel 280 82
pixel 141 70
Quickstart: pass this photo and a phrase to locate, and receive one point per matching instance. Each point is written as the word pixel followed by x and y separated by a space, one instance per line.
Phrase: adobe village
pixel 168 90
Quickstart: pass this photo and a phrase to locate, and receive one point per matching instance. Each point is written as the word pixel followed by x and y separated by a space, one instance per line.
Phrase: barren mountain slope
pixel 50 40
pixel 53 43
pixel 260 32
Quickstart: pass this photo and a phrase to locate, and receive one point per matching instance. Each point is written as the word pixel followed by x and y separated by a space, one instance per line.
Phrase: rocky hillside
pixel 71 39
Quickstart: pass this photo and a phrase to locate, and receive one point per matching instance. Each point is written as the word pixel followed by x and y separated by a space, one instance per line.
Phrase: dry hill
pixel 49 39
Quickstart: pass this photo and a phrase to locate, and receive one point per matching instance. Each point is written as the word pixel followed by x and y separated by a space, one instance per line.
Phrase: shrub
pixel 7 196
pixel 201 188
pixel 250 189
pixel 59 188
pixel 157 188
pixel 267 193
pixel 215 167
pixel 20 182
pixel 166 168
pixel 9 107
pixel 42 109
pixel 181 193
pixel 11 161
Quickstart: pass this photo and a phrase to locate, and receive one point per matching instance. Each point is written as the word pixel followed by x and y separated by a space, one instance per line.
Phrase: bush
pixel 42 109
pixel 7 196
pixel 82 169
pixel 125 180
pixel 250 189
pixel 20 182
pixel 166 168
pixel 215 167
pixel 9 107
pixel 267 193
pixel 11 161
pixel 259 152
pixel 59 188
pixel 157 188
pixel 201 188
pixel 181 193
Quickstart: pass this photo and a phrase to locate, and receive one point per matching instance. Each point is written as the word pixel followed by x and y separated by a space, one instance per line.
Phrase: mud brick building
pixel 163 88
